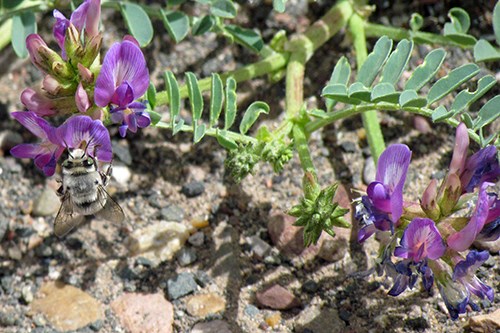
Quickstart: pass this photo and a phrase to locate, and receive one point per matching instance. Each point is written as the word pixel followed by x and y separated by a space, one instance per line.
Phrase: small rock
pixel 9 139
pixel 369 170
pixel 205 304
pixel 348 146
pixel 182 285
pixel 66 307
pixel 97 325
pixel 485 323
pixel 122 151
pixel 316 319
pixel 172 213
pixel 7 319
pixel 47 203
pixel 310 286
pixel 200 221
pixel 202 278
pixel 14 252
pixel 278 298
pixel 143 262
pixel 139 313
pixel 27 294
pixel 122 174
pixel 158 242
pixel 418 324
pixel 193 189
pixel 251 310
pixel 260 248
pixel 186 256
pixel 197 239
pixel 214 326
pixel 273 320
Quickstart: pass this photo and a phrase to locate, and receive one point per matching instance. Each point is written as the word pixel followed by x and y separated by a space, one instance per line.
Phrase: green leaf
pixel 151 95
pixel 199 133
pixel 176 23
pixel 397 62
pixel 251 115
pixel 484 51
pixel 175 2
pixel 341 72
pixel 488 113
pixel 384 92
pixel 216 96
pixel 410 98
pixel 416 22
pixel 177 127
pixel 496 22
pixel 174 96
pixel 467 120
pixel 463 39
pixel 203 25
pixel 138 22
pixel 223 8
pixel 441 113
pixel 225 141
pixel 465 98
pixel 246 37
pixel 230 103
pixel 279 5
pixel 460 22
pixel 155 117
pixel 374 61
pixel 450 82
pixel 338 92
pixel 195 98
pixel 317 113
pixel 426 70
pixel 22 25
pixel 358 91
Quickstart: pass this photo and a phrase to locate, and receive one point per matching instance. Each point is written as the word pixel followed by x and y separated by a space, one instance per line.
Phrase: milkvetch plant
pixel 431 241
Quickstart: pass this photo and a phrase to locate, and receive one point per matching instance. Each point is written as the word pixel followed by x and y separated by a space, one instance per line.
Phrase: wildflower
pixel 384 203
pixel 124 77
pixel 47 152
pixel 421 240
pixel 482 166
pixel 455 296
pixel 37 102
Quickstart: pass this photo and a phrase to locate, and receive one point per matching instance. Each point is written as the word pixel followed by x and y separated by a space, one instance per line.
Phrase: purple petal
pixel 465 273
pixel 37 102
pixel 59 29
pixel 117 116
pixel 123 95
pixel 460 149
pixel 123 130
pixel 455 297
pixel 379 195
pixel 462 240
pixel 36 125
pixel 131 122
pixel 143 119
pixel 124 63
pixel 82 99
pixel 26 150
pixel 93 18
pixel 421 239
pixel 391 171
pixel 79 16
pixel 483 166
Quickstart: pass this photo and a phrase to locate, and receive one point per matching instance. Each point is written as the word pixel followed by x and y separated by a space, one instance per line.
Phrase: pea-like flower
pixel 421 240
pixel 124 77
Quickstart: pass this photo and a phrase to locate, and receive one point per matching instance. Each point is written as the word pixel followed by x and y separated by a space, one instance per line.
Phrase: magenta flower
pixel 38 102
pixel 47 152
pixel 421 240
pixel 464 273
pixel 124 77
pixel 383 205
pixel 463 239
pixel 482 166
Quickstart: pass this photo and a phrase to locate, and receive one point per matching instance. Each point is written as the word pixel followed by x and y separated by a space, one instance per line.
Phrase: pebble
pixel 97 325
pixel 485 323
pixel 9 139
pixel 369 170
pixel 182 285
pixel 139 313
pixel 7 319
pixel 122 174
pixel 66 307
pixel 122 151
pixel 205 304
pixel 186 256
pixel 259 248
pixel 277 297
pixel 348 146
pixel 47 203
pixel 27 294
pixel 202 278
pixel 158 242
pixel 214 326
pixel 193 189
pixel 310 286
pixel 197 239
pixel 319 319
pixel 172 213
pixel 251 310
pixel 273 320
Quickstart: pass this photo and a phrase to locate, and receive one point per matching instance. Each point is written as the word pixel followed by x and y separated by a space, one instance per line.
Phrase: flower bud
pixel 449 193
pixel 92 49
pixel 86 75
pixel 460 149
pixel 82 99
pixel 40 54
pixel 93 18
pixel 37 102
pixel 429 201
pixel 310 186
pixel 55 88
pixel 73 44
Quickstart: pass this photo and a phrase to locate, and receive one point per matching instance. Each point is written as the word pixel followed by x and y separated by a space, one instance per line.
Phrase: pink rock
pixel 141 313
pixel 278 298
pixel 485 323
pixel 493 247
pixel 288 238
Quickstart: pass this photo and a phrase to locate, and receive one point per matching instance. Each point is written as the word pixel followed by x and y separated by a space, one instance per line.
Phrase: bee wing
pixel 111 210
pixel 66 219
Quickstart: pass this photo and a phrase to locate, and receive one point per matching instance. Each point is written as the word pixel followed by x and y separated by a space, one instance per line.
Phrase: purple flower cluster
pixel 434 240
pixel 77 86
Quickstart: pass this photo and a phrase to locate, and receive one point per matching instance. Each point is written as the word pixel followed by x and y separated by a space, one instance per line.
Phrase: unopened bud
pixel 52 86
pixel 82 99
pixel 449 193
pixel 40 54
pixel 310 186
pixel 85 74
pixel 92 49
pixel 37 102
pixel 93 18
pixel 429 201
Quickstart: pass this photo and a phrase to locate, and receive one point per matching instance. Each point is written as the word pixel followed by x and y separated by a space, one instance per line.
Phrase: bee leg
pixel 60 190
pixel 106 176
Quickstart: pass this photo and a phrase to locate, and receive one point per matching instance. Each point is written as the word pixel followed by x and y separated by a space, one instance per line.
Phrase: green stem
pixel 295 78
pixel 331 117
pixel 212 132
pixel 370 118
pixel 302 147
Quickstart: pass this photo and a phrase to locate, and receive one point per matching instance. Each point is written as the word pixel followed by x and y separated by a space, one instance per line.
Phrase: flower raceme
pixel 435 240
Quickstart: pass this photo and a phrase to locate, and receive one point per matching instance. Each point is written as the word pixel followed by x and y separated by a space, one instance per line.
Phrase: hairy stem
pixel 302 147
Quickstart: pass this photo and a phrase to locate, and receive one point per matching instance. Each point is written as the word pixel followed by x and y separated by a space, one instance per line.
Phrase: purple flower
pixel 38 102
pixel 86 133
pixel 385 194
pixel 124 77
pixel 421 240
pixel 406 276
pixel 47 152
pixel 455 297
pixel 482 166
pixel 87 16
pixel 463 239
pixel 464 273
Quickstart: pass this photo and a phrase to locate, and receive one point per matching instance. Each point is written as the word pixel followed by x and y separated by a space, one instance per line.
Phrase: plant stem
pixel 370 118
pixel 302 147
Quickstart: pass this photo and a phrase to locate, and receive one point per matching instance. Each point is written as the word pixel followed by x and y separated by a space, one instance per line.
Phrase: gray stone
pixel 369 171
pixel 193 189
pixel 214 326
pixel 197 239
pixel 122 152
pixel 47 203
pixel 182 285
pixel 186 256
pixel 9 139
pixel 172 213
pixel 251 310
pixel 260 248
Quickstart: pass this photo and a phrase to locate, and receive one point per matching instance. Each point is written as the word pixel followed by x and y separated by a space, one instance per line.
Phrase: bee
pixel 83 193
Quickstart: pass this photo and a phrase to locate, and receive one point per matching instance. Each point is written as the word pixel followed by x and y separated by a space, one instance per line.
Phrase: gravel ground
pixel 230 254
